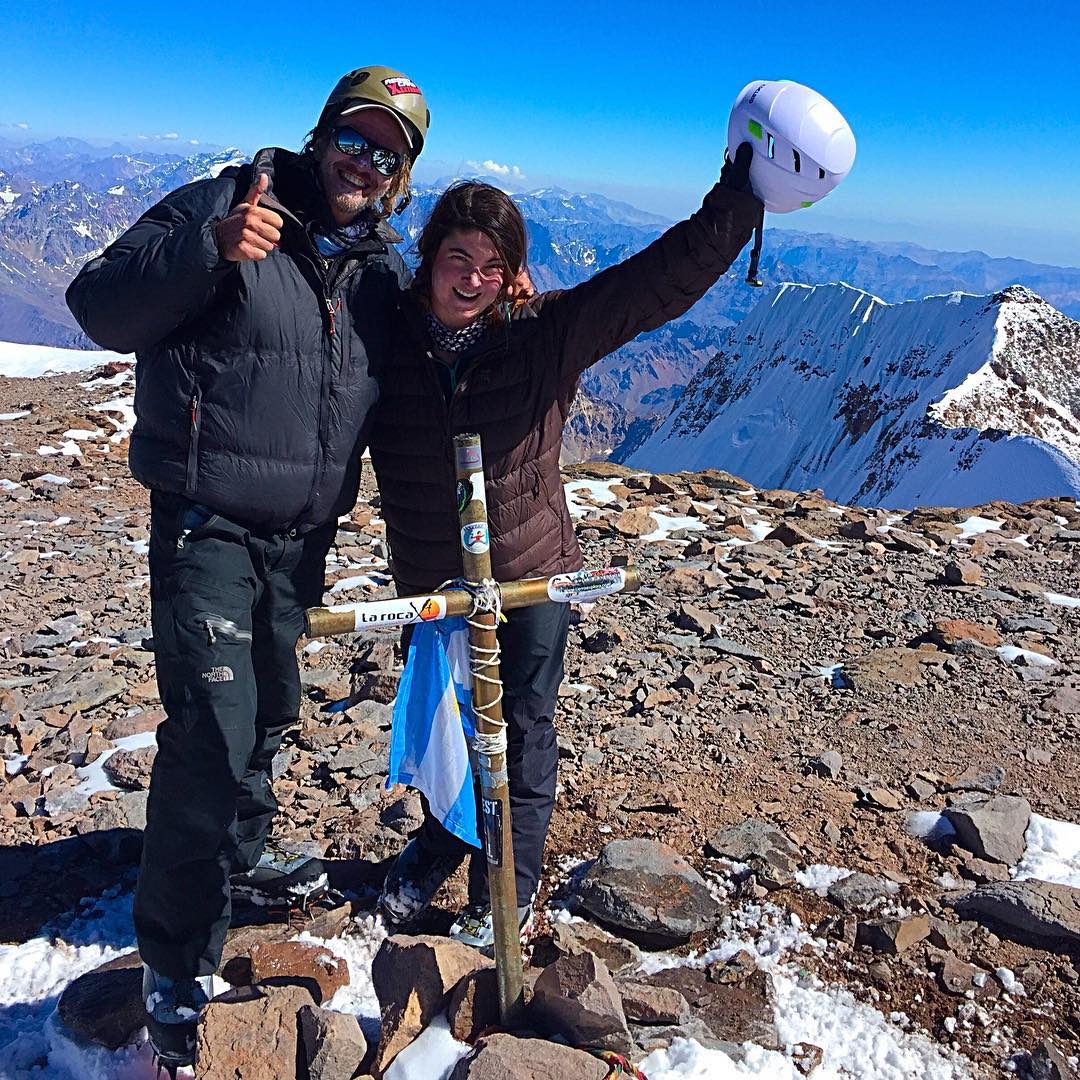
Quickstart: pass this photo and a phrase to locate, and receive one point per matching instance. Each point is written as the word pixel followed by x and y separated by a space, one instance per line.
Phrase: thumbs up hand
pixel 251 231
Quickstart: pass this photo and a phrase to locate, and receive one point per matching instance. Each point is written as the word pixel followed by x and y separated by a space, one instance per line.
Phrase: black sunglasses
pixel 349 141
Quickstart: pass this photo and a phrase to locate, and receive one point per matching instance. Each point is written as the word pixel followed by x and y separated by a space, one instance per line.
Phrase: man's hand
pixel 521 288
pixel 250 231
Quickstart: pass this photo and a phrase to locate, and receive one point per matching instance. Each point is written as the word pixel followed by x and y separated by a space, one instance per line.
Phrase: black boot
pixel 172 1015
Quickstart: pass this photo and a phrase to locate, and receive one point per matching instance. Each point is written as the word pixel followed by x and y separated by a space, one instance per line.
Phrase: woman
pixel 470 360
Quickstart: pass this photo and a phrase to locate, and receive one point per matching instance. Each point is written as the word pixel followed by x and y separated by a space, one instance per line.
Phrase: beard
pixel 345 203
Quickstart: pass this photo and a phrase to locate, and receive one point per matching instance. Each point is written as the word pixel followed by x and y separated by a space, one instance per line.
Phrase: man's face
pixel 352 184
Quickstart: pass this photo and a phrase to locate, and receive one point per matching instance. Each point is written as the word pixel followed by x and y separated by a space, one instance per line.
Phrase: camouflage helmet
pixel 376 87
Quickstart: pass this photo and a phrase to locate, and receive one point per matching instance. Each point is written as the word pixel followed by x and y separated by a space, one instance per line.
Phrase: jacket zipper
pixel 332 311
pixel 192 477
pixel 216 624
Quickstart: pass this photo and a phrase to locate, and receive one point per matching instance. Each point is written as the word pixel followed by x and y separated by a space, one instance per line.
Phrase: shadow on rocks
pixel 40 882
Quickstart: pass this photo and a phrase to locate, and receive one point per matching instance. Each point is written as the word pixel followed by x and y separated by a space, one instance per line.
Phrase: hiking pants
pixel 533 642
pixel 227 608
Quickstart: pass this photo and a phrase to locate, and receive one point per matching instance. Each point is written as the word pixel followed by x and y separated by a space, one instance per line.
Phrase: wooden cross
pixel 480 603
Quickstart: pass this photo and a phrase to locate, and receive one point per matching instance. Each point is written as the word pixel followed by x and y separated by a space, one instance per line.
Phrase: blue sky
pixel 967 115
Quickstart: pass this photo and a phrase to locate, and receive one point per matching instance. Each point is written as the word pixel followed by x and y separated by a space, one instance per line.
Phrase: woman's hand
pixel 736 173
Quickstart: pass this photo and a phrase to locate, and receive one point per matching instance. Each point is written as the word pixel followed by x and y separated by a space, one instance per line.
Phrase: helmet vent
pixel 772 146
pixel 359 77
pixel 821 174
pixel 798 160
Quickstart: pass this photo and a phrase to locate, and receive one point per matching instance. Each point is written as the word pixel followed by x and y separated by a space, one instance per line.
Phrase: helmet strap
pixel 755 253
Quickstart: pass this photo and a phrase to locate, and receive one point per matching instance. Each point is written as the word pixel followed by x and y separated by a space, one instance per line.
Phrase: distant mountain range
pixel 951 400
pixel 63 201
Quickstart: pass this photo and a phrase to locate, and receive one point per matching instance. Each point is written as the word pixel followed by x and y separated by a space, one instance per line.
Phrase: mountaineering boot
pixel 172 1013
pixel 413 881
pixel 281 877
pixel 475 927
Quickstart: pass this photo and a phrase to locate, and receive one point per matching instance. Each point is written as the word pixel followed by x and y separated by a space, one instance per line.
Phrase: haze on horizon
pixel 968 117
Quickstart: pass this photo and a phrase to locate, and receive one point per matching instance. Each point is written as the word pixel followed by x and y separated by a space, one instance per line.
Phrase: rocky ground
pixel 793 682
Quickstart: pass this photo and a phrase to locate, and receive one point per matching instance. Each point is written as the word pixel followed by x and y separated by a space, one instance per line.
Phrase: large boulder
pixel 1030 909
pixel 413 977
pixel 332 1044
pixel 500 1057
pixel 576 998
pixel 649 892
pixel 474 1005
pixel 763 847
pixel 572 938
pixel 105 1005
pixel 299 963
pixel 992 828
pixel 735 1000
pixel 649 1005
pixel 250 1034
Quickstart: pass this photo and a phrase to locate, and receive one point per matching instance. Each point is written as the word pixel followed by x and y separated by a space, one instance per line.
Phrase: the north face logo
pixel 218 675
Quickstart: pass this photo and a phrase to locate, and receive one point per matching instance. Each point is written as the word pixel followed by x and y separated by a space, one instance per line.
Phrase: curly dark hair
pixel 471 204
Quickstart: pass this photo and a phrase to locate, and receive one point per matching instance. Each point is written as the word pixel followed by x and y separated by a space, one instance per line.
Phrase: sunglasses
pixel 349 141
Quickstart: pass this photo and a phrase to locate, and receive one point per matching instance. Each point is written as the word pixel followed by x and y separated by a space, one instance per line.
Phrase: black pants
pixel 227 608
pixel 533 641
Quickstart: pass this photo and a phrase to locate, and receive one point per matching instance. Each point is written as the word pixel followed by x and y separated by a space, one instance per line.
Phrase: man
pixel 259 304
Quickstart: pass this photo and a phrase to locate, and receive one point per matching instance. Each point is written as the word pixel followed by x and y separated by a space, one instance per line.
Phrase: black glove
pixel 736 174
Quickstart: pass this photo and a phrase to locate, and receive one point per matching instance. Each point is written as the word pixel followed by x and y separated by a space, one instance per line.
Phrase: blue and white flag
pixel 433 721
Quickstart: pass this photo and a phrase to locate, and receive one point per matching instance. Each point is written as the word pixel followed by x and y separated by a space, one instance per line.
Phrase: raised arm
pixel 159 273
pixel 654 286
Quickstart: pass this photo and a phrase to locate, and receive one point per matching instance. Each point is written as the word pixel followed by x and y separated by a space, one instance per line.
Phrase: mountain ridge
pixel 953 399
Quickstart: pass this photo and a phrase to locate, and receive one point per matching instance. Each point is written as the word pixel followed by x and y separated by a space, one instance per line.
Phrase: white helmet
pixel 803 147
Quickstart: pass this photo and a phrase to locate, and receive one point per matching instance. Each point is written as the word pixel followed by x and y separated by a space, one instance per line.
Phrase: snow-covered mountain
pixel 48 230
pixel 950 400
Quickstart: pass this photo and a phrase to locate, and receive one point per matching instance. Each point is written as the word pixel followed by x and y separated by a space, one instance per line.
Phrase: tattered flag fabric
pixel 432 723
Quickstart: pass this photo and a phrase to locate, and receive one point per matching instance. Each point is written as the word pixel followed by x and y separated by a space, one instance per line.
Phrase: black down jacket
pixel 254 380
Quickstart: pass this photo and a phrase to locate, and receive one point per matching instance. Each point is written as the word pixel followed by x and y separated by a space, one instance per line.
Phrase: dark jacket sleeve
pixel 656 285
pixel 158 274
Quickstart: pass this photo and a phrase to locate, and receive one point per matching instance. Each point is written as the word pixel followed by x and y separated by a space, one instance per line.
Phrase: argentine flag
pixel 433 719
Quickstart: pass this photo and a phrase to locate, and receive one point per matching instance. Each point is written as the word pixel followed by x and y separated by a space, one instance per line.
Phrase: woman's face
pixel 466 277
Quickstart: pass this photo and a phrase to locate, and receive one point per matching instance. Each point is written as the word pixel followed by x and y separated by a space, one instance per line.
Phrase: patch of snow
pixel 14 415
pixel 667 524
pixel 358 949
pixel 52 478
pixel 126 408
pixel 929 825
pixel 118 379
pixel 29 361
pixel 347 583
pixel 1009 982
pixel 1012 653
pixel 760 529
pixel 93 775
pixel 431 1057
pixel 32 976
pixel 598 490
pixel 976 526
pixel 1052 853
pixel 857 1040
pixel 1061 600
pixel 818 877
pixel 13 765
